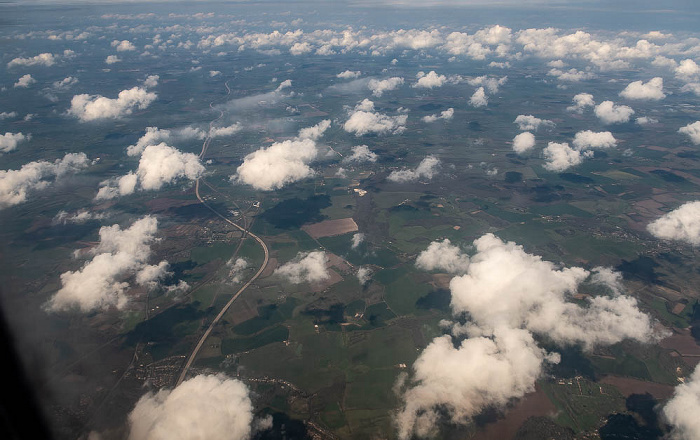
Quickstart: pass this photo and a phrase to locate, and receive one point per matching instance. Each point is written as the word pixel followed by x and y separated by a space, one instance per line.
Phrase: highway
pixel 245 232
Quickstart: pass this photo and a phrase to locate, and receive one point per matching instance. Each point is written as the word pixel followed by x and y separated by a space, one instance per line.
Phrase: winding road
pixel 245 232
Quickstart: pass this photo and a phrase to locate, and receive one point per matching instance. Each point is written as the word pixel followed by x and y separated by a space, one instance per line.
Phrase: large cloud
pixel 102 281
pixel 683 224
pixel 159 165
pixel 609 113
pixel 9 141
pixel 445 114
pixel 523 142
pixel 378 87
pixel 205 407
pixel 652 90
pixel 364 120
pixel 306 267
pixel 94 107
pixel 530 122
pixel 282 162
pixel 693 131
pixel 16 184
pixel 683 408
pixel 508 296
pixel 426 169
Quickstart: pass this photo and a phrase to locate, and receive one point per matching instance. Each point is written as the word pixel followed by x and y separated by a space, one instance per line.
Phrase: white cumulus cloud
pixel 203 407
pixel 15 185
pixel 523 142
pixel 349 74
pixel 559 156
pixel 281 163
pixel 609 113
pixel 306 267
pixel 25 81
pixel 95 107
pixel 361 153
pixel 682 409
pixel 446 115
pixel 123 46
pixel 378 87
pixel 586 139
pixel 9 141
pixel 429 80
pixel 683 224
pixel 581 101
pixel 479 98
pixel 693 131
pixel 531 123
pixel 444 256
pixel 426 169
pixel 652 90
pixel 364 120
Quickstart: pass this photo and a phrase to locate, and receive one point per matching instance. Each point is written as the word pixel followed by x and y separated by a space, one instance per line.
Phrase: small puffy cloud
pixel 24 81
pixel 559 156
pixel 236 269
pixel 151 81
pixel 95 107
pixel 284 85
pixel 101 282
pixel 79 217
pixel 203 407
pixel 687 70
pixel 64 84
pixel 364 274
pixel 357 239
pixel 364 120
pixel 571 75
pixel 306 267
pixel 443 256
pixel 479 98
pixel 490 84
pixel 588 139
pixel 682 224
pixel 361 153
pixel 282 162
pixel 646 120
pixel 530 122
pixel 652 90
pixel 609 113
pixel 446 115
pixel 682 410
pixel 15 185
pixel 430 80
pixel 693 131
pixel 213 73
pixel 378 87
pixel 43 59
pixel 581 101
pixel 426 169
pixel 123 46
pixel 9 141
pixel 349 74
pixel 523 142
pixel 228 130
pixel 112 59
pixel 8 115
